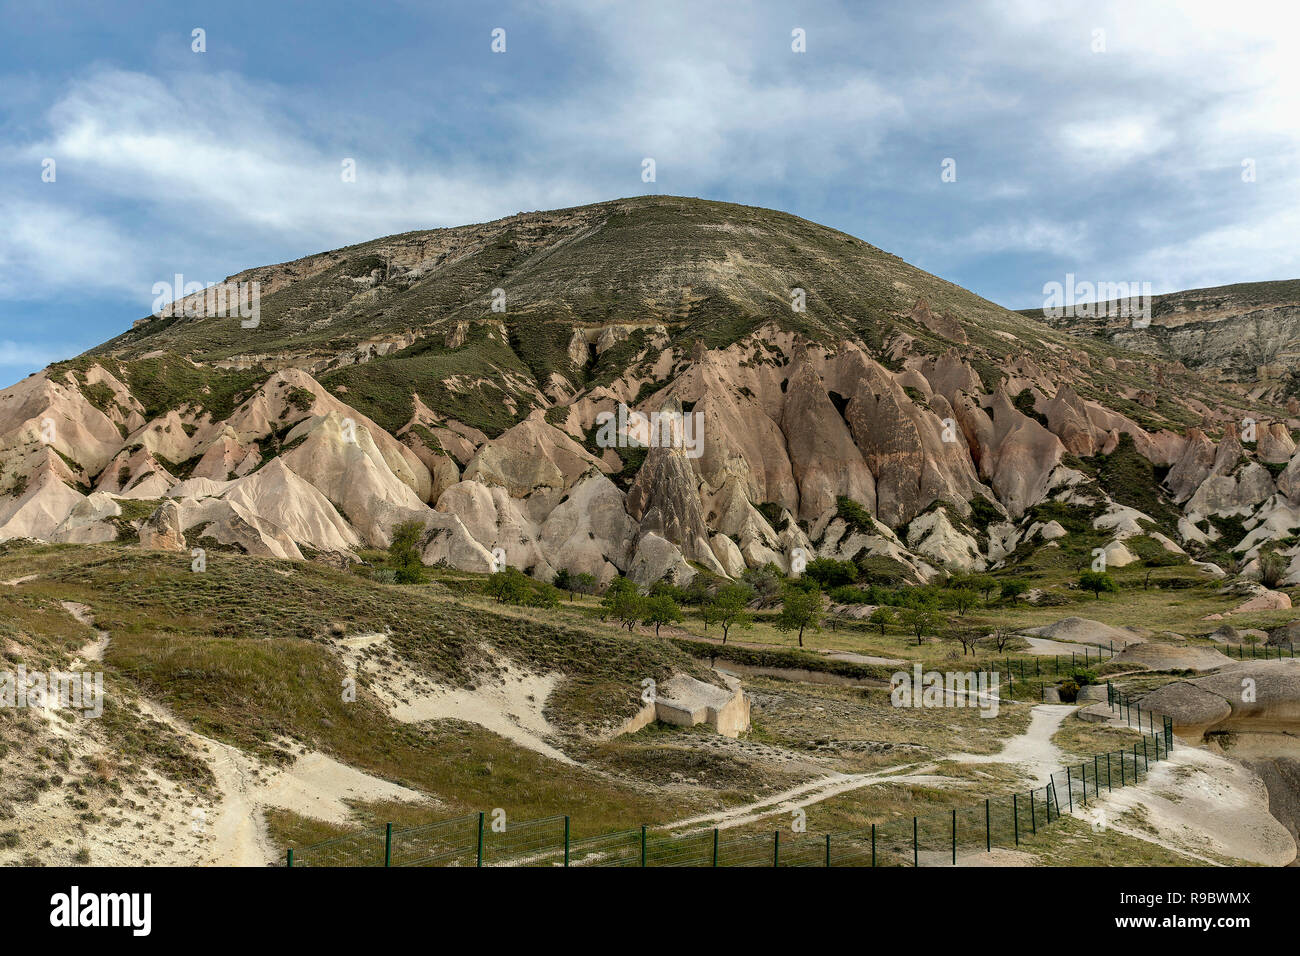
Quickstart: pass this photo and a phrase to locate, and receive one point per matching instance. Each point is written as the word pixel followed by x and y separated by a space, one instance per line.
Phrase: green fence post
pixel 1083 775
pixel 289 859
pixel 1069 789
pixel 566 839
pixel 480 839
pixel 1033 815
pixel 1146 764
pixel 988 830
pixel 916 857
pixel 1135 764
pixel 954 836
pixel 1123 781
pixel 388 844
pixel 873 844
pixel 643 844
pixel 1015 813
pixel 776 847
pixel 1109 786
pixel 715 846
pixel 828 849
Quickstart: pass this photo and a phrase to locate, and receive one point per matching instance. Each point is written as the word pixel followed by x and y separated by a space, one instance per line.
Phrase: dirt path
pixel 92 650
pixel 234 832
pixel 237 830
pixel 1034 748
pixel 806 794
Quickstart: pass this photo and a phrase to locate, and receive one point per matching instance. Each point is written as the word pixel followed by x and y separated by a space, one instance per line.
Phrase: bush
pixel 854 515
pixel 1068 690
pixel 1272 568
pixel 829 573
pixel 1013 589
pixel 404 556
pixel 512 586
pixel 766 582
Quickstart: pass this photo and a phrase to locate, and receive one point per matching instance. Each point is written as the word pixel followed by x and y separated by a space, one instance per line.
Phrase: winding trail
pixel 1033 749
pixel 314 785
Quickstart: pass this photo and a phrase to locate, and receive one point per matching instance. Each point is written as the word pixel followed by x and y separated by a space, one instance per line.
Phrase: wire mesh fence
pixel 938 838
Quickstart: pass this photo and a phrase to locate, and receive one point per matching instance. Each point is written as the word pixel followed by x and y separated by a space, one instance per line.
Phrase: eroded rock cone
pixel 161 531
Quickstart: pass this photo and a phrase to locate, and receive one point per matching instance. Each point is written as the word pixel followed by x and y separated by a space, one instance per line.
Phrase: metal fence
pixel 933 839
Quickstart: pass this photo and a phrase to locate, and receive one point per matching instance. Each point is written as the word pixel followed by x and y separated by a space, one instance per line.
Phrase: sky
pixel 1119 141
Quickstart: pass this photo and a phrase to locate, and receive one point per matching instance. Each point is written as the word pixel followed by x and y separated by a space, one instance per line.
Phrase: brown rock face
pixel 1022 458
pixel 944 325
pixel 1193 467
pixel 161 531
pixel 1275 444
pixel 904 446
pixel 1289 481
pixel 664 498
pixel 826 462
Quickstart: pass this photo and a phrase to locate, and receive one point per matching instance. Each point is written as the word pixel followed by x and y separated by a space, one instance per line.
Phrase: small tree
pixel 920 621
pixel 729 608
pixel 960 599
pixel 584 583
pixel 403 554
pixel 1096 582
pixel 1013 589
pixel 658 610
pixel 882 617
pixel 986 584
pixel 542 594
pixel 623 602
pixel 969 638
pixel 800 608
pixel 1001 637
pixel 508 586
pixel 564 581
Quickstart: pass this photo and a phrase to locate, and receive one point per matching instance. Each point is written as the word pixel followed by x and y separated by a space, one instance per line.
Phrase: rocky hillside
pixel 849 404
pixel 1247 333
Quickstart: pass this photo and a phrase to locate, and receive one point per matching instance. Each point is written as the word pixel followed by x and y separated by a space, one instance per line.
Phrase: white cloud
pixel 212 152
pixel 45 248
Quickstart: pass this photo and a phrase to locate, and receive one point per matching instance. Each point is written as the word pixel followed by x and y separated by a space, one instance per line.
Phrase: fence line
pixel 931 839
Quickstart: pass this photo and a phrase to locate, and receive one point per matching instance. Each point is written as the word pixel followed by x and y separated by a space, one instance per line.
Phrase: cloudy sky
pixel 1103 139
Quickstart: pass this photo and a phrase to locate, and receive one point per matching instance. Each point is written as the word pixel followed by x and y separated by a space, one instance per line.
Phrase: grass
pixel 244 652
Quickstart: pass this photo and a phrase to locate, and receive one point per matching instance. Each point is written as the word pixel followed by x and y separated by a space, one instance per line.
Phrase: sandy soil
pixel 1033 749
pixel 510 704
pixel 159 822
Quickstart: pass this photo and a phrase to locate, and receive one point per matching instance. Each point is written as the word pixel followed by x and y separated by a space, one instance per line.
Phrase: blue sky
pixel 1114 155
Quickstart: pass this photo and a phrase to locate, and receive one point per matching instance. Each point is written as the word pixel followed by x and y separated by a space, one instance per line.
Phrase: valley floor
pixel 228 733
